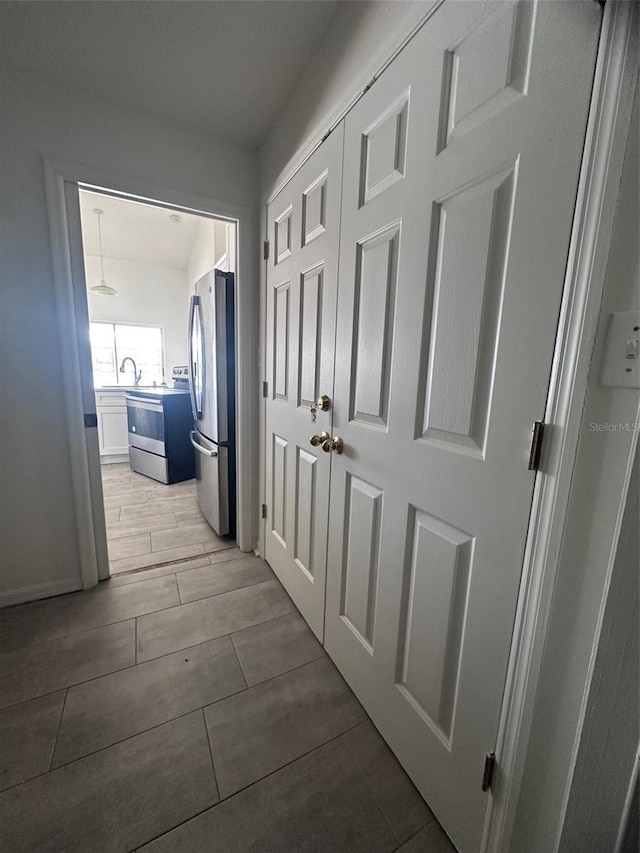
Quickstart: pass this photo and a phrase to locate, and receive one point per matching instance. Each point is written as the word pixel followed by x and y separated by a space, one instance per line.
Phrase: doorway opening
pixel 168 491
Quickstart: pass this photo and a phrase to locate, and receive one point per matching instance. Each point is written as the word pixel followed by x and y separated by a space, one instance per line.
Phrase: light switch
pixel 621 361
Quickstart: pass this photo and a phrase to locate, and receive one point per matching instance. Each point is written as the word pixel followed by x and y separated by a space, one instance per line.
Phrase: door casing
pixel 607 130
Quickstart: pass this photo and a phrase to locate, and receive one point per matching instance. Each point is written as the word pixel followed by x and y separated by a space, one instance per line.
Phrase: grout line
pixel 264 598
pixel 134 619
pixel 293 760
pixel 371 793
pixel 257 782
pixel 213 764
pixel 34 644
pixel 321 656
pixel 235 651
pixel 55 742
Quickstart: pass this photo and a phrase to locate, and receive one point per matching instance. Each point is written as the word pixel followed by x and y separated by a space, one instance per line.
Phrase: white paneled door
pixel 460 174
pixel 302 279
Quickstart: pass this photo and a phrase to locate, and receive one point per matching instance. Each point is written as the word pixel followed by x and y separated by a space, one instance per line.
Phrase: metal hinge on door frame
pixel 487 773
pixel 265 389
pixel 264 510
pixel 265 250
pixel 536 446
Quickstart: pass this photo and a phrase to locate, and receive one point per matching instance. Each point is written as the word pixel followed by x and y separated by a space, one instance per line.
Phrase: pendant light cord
pixel 99 215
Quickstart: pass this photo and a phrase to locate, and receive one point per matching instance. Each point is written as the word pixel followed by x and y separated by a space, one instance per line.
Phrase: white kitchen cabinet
pixel 111 410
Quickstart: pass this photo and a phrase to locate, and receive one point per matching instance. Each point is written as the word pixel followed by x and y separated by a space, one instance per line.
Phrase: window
pixel 112 342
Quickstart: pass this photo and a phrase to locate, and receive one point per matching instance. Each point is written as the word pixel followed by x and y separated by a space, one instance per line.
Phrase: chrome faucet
pixel 136 375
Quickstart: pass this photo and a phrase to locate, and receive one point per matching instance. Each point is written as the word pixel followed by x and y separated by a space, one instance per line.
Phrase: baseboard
pixel 114 458
pixel 39 590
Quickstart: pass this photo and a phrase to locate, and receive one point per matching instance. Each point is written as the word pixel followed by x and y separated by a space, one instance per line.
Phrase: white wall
pixel 147 294
pixel 609 743
pixel 358 34
pixel 209 245
pixel 38 542
pixel 589 548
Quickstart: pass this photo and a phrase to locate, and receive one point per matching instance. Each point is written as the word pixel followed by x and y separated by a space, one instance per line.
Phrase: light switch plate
pixel 621 360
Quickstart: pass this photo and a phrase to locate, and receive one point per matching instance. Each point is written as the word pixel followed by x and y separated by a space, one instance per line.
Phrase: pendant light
pixel 103 288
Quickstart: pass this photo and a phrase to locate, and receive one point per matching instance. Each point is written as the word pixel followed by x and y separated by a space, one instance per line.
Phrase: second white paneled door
pixel 302 280
pixel 460 174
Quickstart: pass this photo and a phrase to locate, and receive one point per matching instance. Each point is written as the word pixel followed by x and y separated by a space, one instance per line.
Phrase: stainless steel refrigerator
pixel 213 397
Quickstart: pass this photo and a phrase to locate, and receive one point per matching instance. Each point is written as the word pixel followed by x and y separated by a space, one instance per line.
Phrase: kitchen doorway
pixel 142 263
pixel 65 182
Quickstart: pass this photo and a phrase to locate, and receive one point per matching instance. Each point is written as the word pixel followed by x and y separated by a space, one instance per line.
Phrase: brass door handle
pixel 316 440
pixel 336 444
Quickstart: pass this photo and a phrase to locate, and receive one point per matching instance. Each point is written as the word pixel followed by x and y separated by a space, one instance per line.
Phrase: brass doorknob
pixel 323 403
pixel 336 444
pixel 316 440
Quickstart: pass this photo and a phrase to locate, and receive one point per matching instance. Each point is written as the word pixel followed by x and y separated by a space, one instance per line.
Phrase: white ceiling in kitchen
pixel 136 232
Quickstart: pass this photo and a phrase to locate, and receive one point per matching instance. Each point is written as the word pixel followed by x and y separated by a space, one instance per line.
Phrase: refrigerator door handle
pixel 194 312
pixel 200 448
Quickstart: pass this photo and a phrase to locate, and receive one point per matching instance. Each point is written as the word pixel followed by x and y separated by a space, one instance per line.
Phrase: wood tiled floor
pixel 149 523
pixel 190 708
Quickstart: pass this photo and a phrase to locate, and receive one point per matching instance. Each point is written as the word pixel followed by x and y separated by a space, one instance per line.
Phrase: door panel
pixel 304 225
pixel 460 172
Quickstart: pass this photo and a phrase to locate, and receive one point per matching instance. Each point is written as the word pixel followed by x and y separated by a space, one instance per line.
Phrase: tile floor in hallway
pixel 150 523
pixel 190 708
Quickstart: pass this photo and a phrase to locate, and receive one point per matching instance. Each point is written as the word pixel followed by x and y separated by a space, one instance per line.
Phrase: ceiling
pixel 132 231
pixel 221 66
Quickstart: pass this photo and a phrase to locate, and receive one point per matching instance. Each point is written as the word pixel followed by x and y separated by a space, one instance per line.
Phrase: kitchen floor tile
pixel 393 791
pixel 117 706
pixel 139 509
pixel 163 539
pixel 43 668
pixel 223 577
pixel 186 518
pixel 112 488
pixel 198 621
pixel 262 729
pixel 277 598
pixel 431 839
pixel 318 804
pixel 146 524
pixel 80 611
pixel 27 737
pixel 275 647
pixel 129 546
pixel 155 558
pixel 116 799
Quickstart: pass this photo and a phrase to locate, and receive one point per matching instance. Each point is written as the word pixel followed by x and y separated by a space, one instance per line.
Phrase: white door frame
pixel 62 180
pixel 608 125
pixel 607 132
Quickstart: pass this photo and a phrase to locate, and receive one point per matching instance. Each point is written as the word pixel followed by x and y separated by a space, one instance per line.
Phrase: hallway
pixel 189 707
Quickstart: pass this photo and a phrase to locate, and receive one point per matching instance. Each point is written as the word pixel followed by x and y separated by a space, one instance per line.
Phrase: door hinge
pixel 536 446
pixel 487 775
pixel 264 510
pixel 90 420
pixel 265 250
pixel 265 389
